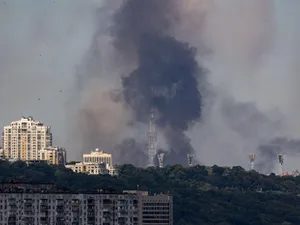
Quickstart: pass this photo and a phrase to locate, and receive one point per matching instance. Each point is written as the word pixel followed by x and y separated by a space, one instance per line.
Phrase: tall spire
pixel 280 160
pixel 251 157
pixel 190 158
pixel 152 138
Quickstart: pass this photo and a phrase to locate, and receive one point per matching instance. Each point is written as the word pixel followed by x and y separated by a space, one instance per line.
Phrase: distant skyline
pixel 44 43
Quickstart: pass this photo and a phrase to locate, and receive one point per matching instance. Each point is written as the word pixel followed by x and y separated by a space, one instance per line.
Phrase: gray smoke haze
pixel 166 77
pixel 41 42
pixel 248 48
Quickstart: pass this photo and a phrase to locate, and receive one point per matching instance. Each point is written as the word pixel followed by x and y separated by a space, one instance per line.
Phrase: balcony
pixel 28 213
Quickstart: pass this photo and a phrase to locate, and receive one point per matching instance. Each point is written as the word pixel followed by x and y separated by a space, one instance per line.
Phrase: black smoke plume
pixel 131 152
pixel 167 74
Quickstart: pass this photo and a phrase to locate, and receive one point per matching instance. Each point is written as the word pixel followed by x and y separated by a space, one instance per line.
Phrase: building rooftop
pixel 97 152
pixel 29 119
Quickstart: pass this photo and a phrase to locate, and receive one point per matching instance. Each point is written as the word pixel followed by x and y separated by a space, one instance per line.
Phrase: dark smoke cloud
pixel 131 152
pixel 247 120
pixel 166 77
pixel 136 19
pixel 268 152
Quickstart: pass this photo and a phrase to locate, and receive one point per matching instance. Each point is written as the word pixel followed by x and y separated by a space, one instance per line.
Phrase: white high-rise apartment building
pixel 23 139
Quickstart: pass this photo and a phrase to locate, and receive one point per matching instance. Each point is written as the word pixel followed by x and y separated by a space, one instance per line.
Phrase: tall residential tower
pixel 23 139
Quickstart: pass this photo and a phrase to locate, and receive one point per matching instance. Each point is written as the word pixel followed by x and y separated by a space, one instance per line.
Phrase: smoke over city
pixel 204 79
pixel 166 77
pixel 222 77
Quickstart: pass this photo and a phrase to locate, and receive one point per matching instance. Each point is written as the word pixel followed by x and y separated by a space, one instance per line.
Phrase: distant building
pixel 97 157
pixel 154 209
pixel 97 162
pixel 45 204
pixel 53 155
pixel 92 169
pixel 23 139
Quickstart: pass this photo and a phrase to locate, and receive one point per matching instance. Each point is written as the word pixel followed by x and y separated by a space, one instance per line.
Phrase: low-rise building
pixel 43 204
pixel 92 169
pixel 94 163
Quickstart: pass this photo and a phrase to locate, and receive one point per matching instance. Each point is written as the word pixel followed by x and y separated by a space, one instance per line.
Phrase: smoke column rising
pixel 238 42
pixel 249 95
pixel 166 77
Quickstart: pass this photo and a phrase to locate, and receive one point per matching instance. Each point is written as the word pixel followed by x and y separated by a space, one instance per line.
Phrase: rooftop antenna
pixel 190 158
pixel 280 160
pixel 152 139
pixel 251 157
pixel 160 157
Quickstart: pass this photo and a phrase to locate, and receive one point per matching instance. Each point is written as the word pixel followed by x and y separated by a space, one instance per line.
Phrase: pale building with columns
pixel 96 162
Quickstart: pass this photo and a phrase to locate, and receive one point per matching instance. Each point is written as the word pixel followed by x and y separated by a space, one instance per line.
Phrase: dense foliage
pixel 202 195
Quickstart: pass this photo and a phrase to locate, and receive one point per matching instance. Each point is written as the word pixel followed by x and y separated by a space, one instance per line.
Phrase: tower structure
pixel 280 160
pixel 251 157
pixel 160 157
pixel 152 138
pixel 190 158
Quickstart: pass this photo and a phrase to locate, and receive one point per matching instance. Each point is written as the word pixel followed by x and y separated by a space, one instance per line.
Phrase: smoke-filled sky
pixel 60 63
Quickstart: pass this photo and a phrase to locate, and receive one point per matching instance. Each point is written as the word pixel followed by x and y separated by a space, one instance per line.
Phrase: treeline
pixel 202 195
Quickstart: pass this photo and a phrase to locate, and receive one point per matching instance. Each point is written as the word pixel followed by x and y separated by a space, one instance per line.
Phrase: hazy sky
pixel 43 42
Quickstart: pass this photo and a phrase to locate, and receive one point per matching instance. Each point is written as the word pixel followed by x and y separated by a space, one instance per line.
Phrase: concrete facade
pixel 155 209
pixel 44 204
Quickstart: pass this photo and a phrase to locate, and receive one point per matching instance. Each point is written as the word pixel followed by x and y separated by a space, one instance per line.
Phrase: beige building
pixel 97 157
pixel 23 139
pixel 92 169
pixel 53 155
pixel 96 162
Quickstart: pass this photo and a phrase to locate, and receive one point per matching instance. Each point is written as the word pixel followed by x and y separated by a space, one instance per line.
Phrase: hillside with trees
pixel 202 195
